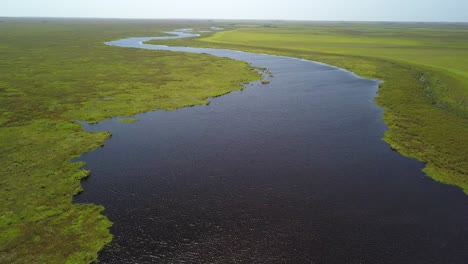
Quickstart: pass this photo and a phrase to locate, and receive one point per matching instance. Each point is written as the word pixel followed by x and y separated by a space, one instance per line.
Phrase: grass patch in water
pixel 128 120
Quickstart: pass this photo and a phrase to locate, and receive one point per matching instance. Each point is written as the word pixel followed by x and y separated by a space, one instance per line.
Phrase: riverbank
pixel 424 93
pixel 57 71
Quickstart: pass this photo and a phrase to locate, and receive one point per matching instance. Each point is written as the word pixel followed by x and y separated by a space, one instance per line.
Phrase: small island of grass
pixel 128 120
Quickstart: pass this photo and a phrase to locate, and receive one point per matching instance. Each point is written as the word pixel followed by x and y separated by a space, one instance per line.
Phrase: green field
pixel 424 69
pixel 54 72
pixel 442 51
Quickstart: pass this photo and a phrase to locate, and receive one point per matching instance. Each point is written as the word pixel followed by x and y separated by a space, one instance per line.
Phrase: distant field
pixel 441 50
pixel 54 72
pixel 424 68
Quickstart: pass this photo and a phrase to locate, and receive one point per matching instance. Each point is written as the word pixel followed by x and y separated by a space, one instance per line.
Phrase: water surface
pixel 290 172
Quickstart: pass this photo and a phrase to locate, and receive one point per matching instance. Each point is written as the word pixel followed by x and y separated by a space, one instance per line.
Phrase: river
pixel 294 171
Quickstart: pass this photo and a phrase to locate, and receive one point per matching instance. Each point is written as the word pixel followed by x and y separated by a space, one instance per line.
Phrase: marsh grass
pixel 128 120
pixel 56 71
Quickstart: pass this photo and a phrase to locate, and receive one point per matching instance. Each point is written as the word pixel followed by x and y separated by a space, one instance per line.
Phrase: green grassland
pixel 54 72
pixel 442 51
pixel 424 68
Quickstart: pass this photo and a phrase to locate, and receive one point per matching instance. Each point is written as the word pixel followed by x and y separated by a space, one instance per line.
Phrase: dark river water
pixel 294 171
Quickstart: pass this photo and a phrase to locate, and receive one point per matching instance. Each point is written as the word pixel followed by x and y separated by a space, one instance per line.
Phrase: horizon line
pixel 239 19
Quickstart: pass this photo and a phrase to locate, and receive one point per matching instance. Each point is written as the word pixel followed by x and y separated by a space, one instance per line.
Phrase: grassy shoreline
pixel 425 108
pixel 57 71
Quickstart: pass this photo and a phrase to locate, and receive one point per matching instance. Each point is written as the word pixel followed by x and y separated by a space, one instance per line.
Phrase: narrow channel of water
pixel 294 171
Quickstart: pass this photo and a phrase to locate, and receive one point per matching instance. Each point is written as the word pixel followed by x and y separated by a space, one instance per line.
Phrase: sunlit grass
pixel 442 51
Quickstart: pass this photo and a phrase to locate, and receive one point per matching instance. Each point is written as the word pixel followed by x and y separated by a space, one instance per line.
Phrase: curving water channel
pixel 290 172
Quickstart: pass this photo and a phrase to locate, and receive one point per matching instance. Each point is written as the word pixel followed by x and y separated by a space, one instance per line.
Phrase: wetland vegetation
pixel 55 72
pixel 128 120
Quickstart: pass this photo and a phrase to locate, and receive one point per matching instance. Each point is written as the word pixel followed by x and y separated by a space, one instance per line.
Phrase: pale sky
pixel 342 10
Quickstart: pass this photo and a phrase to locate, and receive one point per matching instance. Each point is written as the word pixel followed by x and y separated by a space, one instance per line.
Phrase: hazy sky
pixel 363 10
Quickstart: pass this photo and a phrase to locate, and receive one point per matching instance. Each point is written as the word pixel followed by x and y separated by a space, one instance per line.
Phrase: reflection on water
pixel 290 172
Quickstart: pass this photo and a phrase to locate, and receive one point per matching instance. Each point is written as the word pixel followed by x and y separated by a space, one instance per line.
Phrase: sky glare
pixel 341 10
